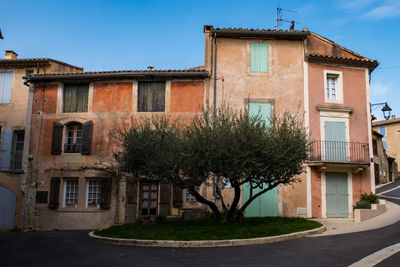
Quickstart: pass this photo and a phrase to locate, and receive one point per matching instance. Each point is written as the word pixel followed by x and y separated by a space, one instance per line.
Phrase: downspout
pixel 215 75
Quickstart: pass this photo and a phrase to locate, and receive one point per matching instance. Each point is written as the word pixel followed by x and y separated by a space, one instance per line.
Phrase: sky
pixel 121 35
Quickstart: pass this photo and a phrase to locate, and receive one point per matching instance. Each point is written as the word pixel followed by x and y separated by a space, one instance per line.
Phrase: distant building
pixel 15 110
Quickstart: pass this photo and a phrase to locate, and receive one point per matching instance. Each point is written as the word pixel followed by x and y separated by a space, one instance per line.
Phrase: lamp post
pixel 386 110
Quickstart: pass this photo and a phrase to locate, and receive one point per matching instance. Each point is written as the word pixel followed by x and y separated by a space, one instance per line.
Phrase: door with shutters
pixel 8 202
pixel 267 203
pixel 335 141
pixel 337 197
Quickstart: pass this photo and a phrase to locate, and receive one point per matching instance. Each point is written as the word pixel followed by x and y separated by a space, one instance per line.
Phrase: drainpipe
pixel 215 74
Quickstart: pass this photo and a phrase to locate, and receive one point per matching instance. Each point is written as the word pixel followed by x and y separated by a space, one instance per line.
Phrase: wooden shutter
pixel 151 97
pixel 105 201
pixel 82 98
pixel 177 197
pixel 54 193
pixel 259 57
pixel 6 150
pixel 70 96
pixel 56 145
pixel 6 79
pixel 87 129
pixel 165 199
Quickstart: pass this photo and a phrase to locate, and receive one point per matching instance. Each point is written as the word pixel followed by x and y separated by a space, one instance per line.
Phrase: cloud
pixel 389 8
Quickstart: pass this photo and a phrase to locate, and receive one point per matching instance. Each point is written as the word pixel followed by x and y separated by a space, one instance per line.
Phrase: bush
pixel 362 205
pixel 371 198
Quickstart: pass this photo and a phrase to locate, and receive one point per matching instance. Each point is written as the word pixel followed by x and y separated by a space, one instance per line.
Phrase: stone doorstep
pixel 206 243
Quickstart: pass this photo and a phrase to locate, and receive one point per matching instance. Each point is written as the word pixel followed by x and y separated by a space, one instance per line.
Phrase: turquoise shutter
pixel 263 110
pixel 335 137
pixel 5 87
pixel 6 150
pixel 382 130
pixel 259 57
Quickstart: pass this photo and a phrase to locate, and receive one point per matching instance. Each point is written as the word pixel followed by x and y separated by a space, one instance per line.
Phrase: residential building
pixel 14 133
pixel 385 168
pixel 72 118
pixel 390 130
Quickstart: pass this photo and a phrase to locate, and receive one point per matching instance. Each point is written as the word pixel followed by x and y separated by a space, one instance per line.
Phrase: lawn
pixel 210 229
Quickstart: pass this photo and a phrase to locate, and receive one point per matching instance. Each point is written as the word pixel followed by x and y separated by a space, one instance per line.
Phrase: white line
pixel 391 197
pixel 377 257
pixel 387 191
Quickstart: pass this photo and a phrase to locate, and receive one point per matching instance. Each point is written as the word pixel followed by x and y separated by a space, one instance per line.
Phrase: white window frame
pixel 339 86
pixel 87 191
pixel 189 198
pixel 65 191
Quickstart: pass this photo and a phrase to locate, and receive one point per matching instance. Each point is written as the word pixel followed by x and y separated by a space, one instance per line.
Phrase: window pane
pixel 71 192
pixel 94 192
pixel 18 150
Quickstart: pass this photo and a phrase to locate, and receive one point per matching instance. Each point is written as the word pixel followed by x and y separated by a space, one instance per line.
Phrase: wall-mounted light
pixel 386 110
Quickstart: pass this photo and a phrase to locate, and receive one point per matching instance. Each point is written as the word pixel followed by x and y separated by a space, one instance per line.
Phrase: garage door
pixel 7 208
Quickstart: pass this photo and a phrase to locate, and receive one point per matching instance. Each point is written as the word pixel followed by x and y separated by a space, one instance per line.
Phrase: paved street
pixel 74 248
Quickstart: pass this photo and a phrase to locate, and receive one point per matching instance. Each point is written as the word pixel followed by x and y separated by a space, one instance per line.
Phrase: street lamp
pixel 386 110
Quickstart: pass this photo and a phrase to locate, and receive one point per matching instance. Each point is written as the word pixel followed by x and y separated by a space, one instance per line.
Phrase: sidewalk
pixel 344 226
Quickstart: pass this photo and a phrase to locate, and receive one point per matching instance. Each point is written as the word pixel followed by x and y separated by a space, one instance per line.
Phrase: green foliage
pixel 229 145
pixel 370 198
pixel 209 229
pixel 362 205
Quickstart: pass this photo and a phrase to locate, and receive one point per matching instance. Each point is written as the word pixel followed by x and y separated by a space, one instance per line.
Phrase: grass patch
pixel 209 229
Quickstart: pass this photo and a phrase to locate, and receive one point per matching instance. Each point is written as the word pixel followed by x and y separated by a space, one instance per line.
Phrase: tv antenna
pixel 280 12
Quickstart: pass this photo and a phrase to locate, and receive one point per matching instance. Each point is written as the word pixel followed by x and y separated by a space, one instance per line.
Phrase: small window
pixel 259 57
pixel 71 192
pixel 151 97
pixel 6 79
pixel 332 86
pixel 93 193
pixel 73 140
pixel 382 130
pixel 76 97
pixel 28 72
pixel 18 149
pixel 190 197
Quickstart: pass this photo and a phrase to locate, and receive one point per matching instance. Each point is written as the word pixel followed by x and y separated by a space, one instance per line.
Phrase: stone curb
pixel 205 243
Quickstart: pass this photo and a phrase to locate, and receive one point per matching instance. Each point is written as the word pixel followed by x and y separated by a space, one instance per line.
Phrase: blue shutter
pixel 263 110
pixel 382 130
pixel 6 150
pixel 5 87
pixel 384 144
pixel 335 141
pixel 259 57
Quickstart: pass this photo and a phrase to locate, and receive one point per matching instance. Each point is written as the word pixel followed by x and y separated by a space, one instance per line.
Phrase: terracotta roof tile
pixel 22 61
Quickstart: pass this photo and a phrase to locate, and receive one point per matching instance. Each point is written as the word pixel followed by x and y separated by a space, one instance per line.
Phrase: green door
pixel 335 141
pixel 267 203
pixel 337 196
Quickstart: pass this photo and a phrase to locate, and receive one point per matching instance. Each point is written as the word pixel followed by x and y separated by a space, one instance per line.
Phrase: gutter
pixel 80 76
pixel 266 34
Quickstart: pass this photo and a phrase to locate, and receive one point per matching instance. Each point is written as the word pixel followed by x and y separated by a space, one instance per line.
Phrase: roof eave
pixel 261 34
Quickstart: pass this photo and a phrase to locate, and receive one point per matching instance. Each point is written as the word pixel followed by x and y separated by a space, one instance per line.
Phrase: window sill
pixel 65 209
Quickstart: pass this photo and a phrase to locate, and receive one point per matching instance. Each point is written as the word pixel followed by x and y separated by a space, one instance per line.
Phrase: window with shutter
pixel 151 97
pixel 258 57
pixel 6 147
pixel 73 138
pixel 17 150
pixel 56 145
pixel 6 79
pixel 105 201
pixel 54 193
pixel 177 197
pixel 76 97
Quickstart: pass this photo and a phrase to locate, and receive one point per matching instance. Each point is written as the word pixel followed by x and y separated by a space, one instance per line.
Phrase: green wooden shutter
pixel 87 129
pixel 105 198
pixel 6 147
pixel 70 95
pixel 335 137
pixel 151 97
pixel 82 98
pixel 262 110
pixel 56 145
pixel 259 57
pixel 336 195
pixel 54 193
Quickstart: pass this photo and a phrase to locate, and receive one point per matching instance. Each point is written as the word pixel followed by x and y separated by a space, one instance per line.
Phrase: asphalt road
pixel 74 248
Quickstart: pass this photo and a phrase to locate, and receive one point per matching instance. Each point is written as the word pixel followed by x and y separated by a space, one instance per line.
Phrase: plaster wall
pixel 392 138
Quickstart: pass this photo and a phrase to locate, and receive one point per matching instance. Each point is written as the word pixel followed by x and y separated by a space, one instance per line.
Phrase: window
pixel 151 97
pixel 149 199
pixel 76 97
pixel 6 79
pixel 332 86
pixel 73 138
pixel 258 57
pixel 71 192
pixel 190 197
pixel 28 72
pixel 375 146
pixel 93 193
pixel 18 149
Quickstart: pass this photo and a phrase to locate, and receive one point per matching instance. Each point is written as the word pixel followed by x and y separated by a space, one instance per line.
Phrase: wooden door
pixel 148 199
pixel 337 195
pixel 335 141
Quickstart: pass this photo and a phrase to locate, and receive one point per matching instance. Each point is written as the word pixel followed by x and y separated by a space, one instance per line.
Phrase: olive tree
pixel 228 146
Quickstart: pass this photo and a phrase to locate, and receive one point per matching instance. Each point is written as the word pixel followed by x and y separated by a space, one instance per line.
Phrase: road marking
pixel 390 190
pixel 390 197
pixel 377 257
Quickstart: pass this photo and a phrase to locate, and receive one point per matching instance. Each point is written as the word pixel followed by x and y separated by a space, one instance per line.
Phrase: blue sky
pixel 113 35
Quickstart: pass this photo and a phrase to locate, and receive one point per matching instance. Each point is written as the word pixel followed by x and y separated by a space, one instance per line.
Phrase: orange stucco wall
pixel 112 97
pixel 187 96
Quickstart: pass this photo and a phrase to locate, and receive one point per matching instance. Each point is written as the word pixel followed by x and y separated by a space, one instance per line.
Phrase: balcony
pixel 339 153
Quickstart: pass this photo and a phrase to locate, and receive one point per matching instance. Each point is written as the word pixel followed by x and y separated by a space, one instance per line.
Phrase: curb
pixel 205 243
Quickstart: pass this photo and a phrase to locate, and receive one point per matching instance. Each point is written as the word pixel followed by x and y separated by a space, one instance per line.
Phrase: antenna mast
pixel 280 17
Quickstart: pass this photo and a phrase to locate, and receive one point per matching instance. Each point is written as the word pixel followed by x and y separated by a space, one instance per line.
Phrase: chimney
pixel 393 116
pixel 11 55
pixel 150 68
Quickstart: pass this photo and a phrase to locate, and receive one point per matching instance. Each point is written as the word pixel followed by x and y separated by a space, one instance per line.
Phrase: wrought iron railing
pixel 339 152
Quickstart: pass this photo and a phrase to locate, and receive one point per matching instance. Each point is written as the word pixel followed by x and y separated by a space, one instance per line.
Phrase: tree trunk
pixel 235 203
pixel 202 200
